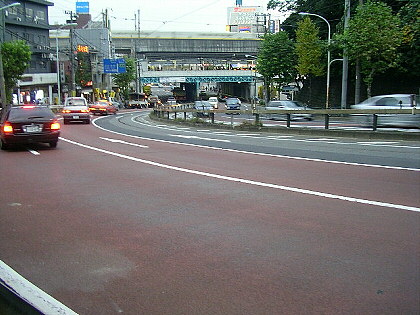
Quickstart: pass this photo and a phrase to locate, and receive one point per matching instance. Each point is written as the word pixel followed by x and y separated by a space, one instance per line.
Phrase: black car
pixel 28 124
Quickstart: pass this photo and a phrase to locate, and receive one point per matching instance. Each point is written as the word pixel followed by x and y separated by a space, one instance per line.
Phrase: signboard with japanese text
pixel 243 15
pixel 114 65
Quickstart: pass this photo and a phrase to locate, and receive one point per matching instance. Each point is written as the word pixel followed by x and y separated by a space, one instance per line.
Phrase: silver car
pixel 202 108
pixel 291 105
pixel 385 102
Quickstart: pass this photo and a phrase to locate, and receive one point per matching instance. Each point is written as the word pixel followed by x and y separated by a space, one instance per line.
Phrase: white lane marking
pixel 250 182
pixel 279 137
pixel 200 138
pixel 384 144
pixel 377 142
pixel 222 133
pixel 322 139
pixel 260 154
pixel 34 152
pixel 124 142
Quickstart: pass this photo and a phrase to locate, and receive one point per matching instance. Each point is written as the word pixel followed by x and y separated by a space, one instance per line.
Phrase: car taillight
pixel 85 111
pixel 7 128
pixel 66 111
pixel 55 126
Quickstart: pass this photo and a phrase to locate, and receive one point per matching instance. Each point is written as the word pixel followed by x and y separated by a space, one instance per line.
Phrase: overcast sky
pixel 156 15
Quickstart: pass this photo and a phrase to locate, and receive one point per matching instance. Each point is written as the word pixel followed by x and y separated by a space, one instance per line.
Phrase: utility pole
pixel 137 47
pixel 72 50
pixel 344 81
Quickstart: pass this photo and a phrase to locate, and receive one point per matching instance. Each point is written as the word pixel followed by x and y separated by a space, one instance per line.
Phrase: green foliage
pixel 249 125
pixel 308 48
pixel 410 47
pixel 373 37
pixel 16 57
pixel 123 80
pixel 277 58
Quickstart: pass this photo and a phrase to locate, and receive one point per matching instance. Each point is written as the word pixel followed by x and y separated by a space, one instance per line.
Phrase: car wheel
pixel 53 144
pixel 3 145
pixel 65 122
pixel 87 122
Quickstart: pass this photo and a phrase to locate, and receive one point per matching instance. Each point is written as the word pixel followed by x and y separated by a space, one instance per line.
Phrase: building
pixel 29 22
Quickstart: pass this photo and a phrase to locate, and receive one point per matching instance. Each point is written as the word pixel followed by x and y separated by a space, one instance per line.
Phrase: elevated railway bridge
pixel 197 62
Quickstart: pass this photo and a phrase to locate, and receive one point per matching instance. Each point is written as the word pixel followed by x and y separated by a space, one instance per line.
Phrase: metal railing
pixel 165 111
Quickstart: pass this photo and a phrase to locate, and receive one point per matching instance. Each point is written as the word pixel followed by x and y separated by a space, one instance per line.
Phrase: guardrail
pixel 163 111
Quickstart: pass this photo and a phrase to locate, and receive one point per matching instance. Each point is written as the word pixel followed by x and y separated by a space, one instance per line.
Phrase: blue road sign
pixel 114 65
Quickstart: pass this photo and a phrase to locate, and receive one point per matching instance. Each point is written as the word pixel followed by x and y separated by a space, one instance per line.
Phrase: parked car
pixel 291 105
pixel 153 100
pixel 28 124
pixel 76 109
pixel 136 100
pixel 102 107
pixel 389 120
pixel 233 103
pixel 171 101
pixel 114 102
pixel 203 107
pixel 214 102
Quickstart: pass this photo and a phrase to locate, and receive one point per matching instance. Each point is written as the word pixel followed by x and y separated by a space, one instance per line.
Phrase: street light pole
pixel 254 98
pixel 3 98
pixel 327 101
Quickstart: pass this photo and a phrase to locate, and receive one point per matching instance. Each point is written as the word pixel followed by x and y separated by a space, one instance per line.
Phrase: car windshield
pixel 232 101
pixel 76 103
pixel 19 113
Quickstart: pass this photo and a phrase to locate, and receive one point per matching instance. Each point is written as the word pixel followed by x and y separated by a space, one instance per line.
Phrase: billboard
pixel 82 7
pixel 243 15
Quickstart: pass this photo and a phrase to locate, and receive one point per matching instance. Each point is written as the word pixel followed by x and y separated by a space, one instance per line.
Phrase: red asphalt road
pixel 108 235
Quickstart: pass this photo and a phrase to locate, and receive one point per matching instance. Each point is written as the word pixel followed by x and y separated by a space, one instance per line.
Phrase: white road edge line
pixel 30 293
pixel 250 182
pixel 259 154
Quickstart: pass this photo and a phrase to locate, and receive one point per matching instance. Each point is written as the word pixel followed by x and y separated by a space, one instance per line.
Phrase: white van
pixel 214 102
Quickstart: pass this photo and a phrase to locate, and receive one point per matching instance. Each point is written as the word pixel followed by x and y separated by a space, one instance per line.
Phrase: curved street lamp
pixel 3 98
pixel 327 102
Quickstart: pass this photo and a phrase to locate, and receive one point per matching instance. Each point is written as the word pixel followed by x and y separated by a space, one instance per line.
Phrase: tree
pixel 123 80
pixel 373 36
pixel 16 57
pixel 83 73
pixel 308 48
pixel 276 60
pixel 410 47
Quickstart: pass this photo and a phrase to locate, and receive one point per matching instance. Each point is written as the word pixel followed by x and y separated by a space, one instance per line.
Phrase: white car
pixel 214 102
pixel 385 102
pixel 76 109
